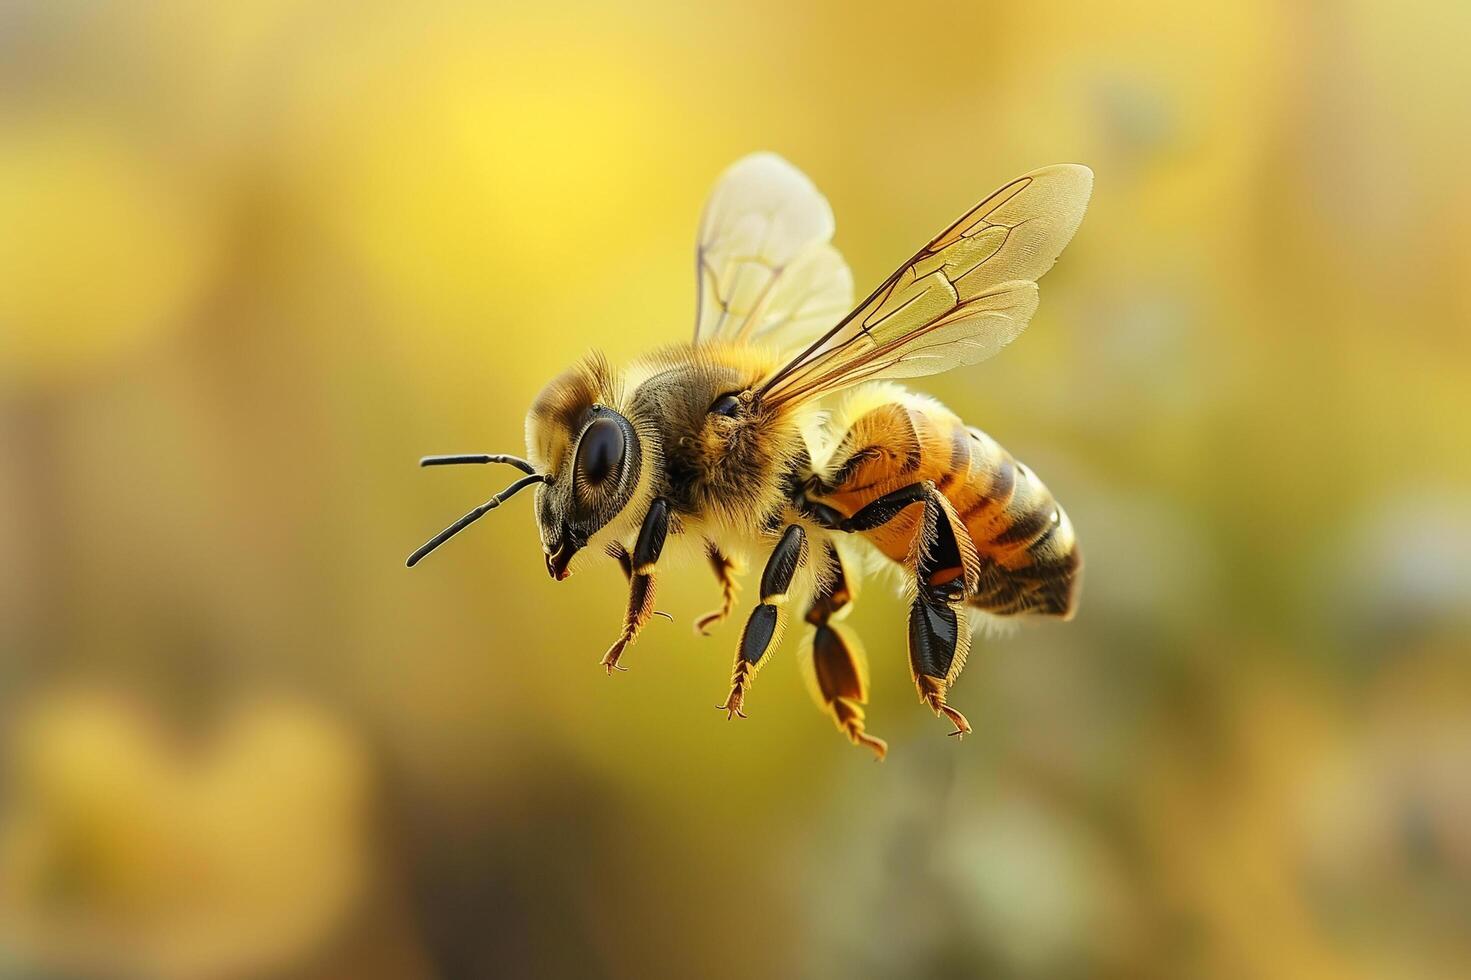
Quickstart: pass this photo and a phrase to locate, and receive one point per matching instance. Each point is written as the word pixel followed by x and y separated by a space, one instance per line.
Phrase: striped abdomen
pixel 1029 557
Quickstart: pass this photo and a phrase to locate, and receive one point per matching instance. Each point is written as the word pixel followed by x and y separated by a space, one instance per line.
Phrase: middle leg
pixel 768 620
pixel 725 569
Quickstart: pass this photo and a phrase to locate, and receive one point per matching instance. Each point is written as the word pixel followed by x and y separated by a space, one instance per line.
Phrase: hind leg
pixel 832 660
pixel 946 570
pixel 939 639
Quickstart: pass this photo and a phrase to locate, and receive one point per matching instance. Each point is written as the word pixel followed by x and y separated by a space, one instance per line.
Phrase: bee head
pixel 592 457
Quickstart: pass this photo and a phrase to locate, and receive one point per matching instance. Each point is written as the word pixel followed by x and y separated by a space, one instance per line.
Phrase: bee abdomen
pixel 1026 542
pixel 1030 558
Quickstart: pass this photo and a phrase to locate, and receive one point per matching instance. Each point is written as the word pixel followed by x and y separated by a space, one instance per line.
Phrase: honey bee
pixel 734 444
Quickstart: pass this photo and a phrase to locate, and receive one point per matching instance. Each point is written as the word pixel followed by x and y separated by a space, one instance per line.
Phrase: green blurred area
pixel 256 258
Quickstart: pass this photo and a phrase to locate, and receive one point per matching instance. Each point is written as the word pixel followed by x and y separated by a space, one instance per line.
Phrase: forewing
pixel 765 271
pixel 959 300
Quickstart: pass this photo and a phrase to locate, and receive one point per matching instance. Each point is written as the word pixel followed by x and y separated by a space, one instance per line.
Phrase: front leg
pixel 639 567
pixel 764 627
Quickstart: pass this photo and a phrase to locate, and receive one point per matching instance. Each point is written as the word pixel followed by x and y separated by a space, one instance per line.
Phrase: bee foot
pixel 962 727
pixel 610 659
pixel 876 745
pixel 732 707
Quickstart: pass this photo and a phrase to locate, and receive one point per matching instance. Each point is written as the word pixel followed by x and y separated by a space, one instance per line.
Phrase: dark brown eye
pixel 725 405
pixel 600 452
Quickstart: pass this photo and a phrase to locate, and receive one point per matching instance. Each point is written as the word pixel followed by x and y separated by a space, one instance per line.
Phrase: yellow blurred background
pixel 256 258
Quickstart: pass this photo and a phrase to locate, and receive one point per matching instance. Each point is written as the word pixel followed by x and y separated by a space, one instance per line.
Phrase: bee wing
pixel 765 271
pixel 959 300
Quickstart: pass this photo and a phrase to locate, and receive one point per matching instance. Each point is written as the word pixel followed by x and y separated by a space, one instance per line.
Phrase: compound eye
pixel 600 451
pixel 725 405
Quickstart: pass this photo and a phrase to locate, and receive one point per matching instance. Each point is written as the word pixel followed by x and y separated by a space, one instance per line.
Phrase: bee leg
pixel 946 571
pixel 725 572
pixel 832 660
pixel 939 639
pixel 883 510
pixel 875 514
pixel 767 621
pixel 624 557
pixel 639 567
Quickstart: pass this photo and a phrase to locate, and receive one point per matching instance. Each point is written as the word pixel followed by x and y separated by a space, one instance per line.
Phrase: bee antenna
pixel 515 461
pixel 475 515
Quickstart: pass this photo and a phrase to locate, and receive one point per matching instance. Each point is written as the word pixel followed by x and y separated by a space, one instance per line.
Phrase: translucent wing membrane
pixel 765 271
pixel 962 298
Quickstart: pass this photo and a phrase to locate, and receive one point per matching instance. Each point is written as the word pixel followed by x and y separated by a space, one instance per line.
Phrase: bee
pixel 779 432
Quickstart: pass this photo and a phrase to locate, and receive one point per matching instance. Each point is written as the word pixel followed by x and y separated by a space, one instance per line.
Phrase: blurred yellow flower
pixel 101 250
pixel 127 846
